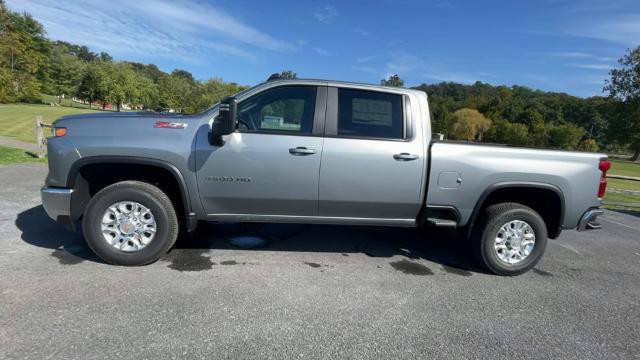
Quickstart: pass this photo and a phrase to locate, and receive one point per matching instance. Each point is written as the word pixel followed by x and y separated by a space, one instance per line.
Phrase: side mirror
pixel 225 122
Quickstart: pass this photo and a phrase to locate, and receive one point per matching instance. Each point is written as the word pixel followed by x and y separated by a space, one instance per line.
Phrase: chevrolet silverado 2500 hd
pixel 309 151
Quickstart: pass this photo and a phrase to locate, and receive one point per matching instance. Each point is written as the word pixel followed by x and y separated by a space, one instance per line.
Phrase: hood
pixel 120 115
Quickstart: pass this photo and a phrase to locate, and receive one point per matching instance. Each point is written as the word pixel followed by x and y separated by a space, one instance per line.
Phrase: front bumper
pixel 57 203
pixel 588 220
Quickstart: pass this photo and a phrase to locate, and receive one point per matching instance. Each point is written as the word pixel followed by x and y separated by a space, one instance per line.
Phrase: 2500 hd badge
pixel 227 179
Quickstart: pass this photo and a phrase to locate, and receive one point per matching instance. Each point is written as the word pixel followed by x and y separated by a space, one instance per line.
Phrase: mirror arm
pixel 216 139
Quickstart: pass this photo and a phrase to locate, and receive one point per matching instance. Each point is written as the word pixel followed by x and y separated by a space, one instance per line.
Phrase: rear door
pixel 373 157
pixel 270 165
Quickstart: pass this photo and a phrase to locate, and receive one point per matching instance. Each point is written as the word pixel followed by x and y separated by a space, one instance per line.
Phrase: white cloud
pixel 204 17
pixel 162 28
pixel 593 66
pixel 321 51
pixel 409 65
pixel 362 32
pixel 368 69
pixel 570 54
pixel 365 59
pixel 620 29
pixel 576 55
pixel 402 62
pixel 326 14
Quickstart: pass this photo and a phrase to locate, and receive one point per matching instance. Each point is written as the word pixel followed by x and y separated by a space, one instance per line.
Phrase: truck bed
pixel 462 173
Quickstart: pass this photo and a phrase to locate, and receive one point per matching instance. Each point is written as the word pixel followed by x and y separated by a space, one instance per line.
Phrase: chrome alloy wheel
pixel 128 226
pixel 514 242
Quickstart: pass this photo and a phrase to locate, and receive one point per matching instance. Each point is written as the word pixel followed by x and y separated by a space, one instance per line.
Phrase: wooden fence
pixel 41 139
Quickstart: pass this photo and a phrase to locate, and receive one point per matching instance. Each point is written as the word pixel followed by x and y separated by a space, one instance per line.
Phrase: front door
pixel 270 165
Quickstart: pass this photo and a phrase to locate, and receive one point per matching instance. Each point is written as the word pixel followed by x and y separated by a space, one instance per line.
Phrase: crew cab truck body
pixel 308 151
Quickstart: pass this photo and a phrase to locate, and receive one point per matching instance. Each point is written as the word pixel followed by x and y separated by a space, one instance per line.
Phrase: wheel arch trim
pixel 184 190
pixel 515 184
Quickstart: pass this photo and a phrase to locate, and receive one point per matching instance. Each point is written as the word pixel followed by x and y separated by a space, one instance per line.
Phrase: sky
pixel 554 45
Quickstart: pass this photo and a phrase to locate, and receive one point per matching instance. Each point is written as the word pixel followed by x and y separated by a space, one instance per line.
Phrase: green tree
pixel 468 124
pixel 149 70
pixel 175 92
pixel 211 92
pixel 184 74
pixel 285 74
pixel 530 116
pixel 624 87
pixel 22 45
pixel 505 132
pixel 539 134
pixel 105 57
pixel 120 84
pixel 64 72
pixel 565 136
pixel 89 87
pixel 392 80
pixel 589 145
pixel 288 74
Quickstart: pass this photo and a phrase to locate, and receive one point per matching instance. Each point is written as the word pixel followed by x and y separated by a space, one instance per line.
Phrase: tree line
pixel 518 115
pixel 31 65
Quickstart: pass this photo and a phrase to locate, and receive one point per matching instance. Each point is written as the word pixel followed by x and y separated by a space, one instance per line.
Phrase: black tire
pixel 493 218
pixel 145 194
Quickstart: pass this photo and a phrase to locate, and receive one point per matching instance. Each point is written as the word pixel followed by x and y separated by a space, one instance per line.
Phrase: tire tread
pixel 157 194
pixel 489 215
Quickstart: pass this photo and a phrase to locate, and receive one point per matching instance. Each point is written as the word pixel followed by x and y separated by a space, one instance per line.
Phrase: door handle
pixel 301 151
pixel 405 157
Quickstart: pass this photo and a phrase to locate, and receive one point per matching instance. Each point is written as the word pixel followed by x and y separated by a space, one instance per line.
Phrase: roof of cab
pixel 341 84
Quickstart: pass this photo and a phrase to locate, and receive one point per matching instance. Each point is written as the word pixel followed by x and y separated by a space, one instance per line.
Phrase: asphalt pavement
pixel 312 292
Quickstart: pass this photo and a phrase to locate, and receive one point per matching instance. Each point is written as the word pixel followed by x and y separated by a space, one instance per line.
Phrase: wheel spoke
pixel 514 241
pixel 128 226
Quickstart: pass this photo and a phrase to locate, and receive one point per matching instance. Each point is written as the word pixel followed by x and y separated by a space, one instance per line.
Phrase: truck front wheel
pixel 511 239
pixel 130 223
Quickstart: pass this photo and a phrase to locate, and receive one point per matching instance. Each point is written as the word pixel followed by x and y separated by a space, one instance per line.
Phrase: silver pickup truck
pixel 310 151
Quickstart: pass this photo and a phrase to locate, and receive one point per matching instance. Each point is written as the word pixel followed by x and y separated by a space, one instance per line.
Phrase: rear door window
pixel 370 114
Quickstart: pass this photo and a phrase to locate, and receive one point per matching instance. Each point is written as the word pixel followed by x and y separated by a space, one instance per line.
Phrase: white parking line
pixel 617 223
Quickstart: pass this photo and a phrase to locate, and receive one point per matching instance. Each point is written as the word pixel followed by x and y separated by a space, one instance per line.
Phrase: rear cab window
pixel 369 114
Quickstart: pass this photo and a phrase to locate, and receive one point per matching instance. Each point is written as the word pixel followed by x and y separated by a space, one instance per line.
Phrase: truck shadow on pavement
pixel 39 230
pixel 406 246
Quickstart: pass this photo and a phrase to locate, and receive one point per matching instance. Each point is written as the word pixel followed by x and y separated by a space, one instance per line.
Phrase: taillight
pixel 604 166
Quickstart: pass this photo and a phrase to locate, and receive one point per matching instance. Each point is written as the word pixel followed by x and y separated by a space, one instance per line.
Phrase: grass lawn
pixel 625 167
pixel 12 156
pixel 18 121
pixel 48 99
pixel 622 201
pixel 623 184
pixel 619 200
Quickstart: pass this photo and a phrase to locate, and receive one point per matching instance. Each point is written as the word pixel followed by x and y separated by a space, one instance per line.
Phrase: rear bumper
pixel 57 203
pixel 588 220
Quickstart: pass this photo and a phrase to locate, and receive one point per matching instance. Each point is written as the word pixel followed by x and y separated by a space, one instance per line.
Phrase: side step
pixel 441 222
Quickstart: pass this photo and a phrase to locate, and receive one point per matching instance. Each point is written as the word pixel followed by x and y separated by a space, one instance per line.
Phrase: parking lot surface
pixel 312 292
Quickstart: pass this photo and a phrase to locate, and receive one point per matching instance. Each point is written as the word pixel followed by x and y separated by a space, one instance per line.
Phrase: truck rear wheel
pixel 511 239
pixel 130 223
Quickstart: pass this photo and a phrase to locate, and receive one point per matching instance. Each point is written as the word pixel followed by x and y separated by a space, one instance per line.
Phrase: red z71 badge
pixel 169 125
